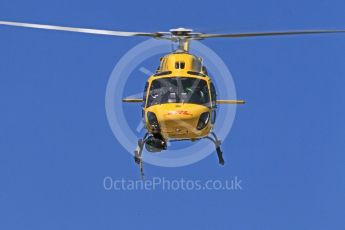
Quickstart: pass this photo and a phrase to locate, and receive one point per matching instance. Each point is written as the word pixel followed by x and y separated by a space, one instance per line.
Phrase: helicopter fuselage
pixel 179 100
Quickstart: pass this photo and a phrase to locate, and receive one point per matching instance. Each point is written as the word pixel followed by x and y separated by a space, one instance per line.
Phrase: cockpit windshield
pixel 178 90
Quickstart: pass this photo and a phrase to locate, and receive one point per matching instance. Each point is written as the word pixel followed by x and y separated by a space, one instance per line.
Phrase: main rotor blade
pixel 79 30
pixel 259 34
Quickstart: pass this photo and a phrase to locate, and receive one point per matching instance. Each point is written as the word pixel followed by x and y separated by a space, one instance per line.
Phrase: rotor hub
pixel 181 31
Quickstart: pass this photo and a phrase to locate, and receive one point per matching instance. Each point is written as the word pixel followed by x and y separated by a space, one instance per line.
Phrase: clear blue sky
pixel 287 143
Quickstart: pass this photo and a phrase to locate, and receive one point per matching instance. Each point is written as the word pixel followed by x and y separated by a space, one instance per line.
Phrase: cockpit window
pixel 178 90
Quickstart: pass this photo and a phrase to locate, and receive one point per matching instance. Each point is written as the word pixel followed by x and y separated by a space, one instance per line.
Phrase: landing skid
pixel 217 143
pixel 141 142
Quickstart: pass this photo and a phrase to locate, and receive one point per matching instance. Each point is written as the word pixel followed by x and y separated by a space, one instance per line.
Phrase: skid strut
pixel 138 155
pixel 217 143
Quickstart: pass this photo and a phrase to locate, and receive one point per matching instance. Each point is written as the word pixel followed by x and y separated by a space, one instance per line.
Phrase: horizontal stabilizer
pixel 231 102
pixel 132 100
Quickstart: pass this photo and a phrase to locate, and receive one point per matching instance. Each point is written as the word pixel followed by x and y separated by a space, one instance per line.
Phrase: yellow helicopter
pixel 179 100
pixel 179 103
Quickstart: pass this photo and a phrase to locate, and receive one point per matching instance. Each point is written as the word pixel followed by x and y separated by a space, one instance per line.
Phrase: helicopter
pixel 179 100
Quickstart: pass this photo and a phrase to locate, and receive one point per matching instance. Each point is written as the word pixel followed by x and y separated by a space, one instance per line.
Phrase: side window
pixel 213 95
pixel 214 115
pixel 144 94
pixel 214 103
